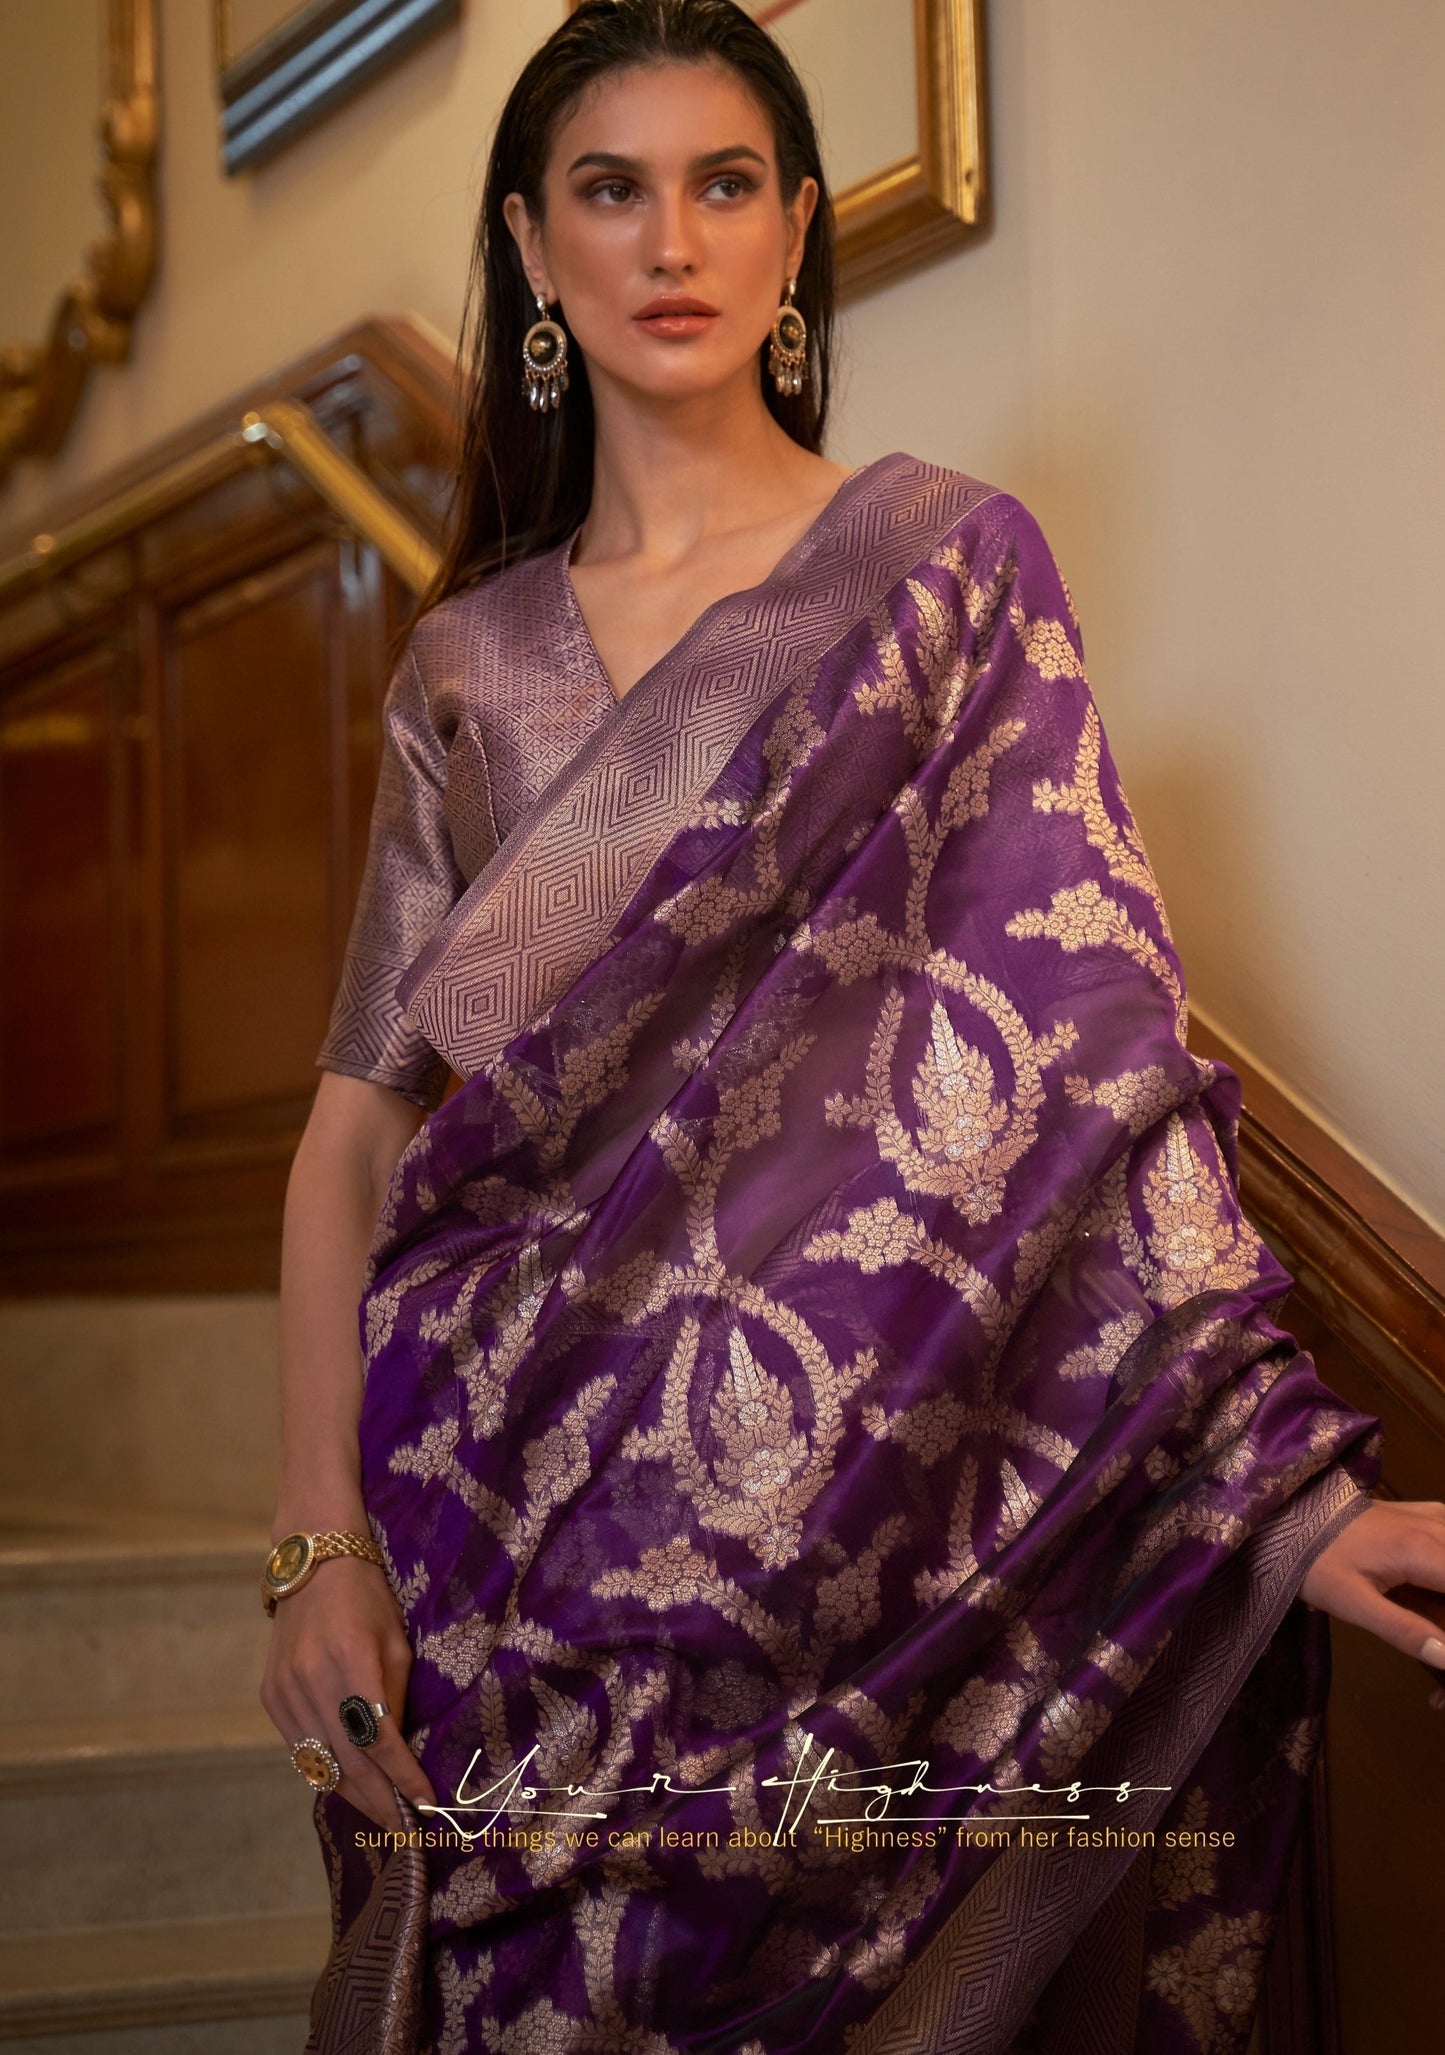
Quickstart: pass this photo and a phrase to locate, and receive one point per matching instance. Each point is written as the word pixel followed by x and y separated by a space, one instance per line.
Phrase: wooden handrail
pixel 1373 1267
pixel 282 428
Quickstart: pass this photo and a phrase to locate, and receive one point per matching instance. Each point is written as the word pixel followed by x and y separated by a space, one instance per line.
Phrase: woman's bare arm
pixel 342 1631
pixel 353 1138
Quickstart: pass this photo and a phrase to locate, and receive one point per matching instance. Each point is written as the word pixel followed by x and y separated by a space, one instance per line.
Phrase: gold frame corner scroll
pixel 907 212
pixel 41 383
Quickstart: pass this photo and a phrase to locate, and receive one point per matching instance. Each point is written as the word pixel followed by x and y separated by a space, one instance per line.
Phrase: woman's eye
pixel 733 183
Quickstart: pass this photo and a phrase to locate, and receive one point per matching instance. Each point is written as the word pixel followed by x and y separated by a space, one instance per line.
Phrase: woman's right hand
pixel 341 1633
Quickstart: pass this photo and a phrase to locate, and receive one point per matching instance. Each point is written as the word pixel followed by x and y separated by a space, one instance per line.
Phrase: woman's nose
pixel 669 234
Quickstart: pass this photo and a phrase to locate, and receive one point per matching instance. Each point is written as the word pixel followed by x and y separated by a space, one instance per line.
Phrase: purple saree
pixel 823 1419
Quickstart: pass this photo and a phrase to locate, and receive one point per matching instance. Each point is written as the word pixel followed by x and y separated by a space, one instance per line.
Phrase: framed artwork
pixel 281 67
pixel 898 92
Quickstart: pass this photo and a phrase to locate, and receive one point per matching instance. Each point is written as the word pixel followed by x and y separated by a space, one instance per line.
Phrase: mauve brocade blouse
pixel 498 688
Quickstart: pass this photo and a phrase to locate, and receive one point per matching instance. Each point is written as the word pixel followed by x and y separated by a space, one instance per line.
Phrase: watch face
pixel 289 1559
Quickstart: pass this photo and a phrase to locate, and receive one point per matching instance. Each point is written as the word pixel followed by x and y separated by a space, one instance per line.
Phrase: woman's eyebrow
pixel 609 160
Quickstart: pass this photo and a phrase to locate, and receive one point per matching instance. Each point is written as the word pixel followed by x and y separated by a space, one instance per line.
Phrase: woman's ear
pixel 528 238
pixel 799 212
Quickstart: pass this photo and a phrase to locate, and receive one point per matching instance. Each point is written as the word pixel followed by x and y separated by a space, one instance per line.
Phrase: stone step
pixel 137 1399
pixel 155 1815
pixel 235 1986
pixel 103 1612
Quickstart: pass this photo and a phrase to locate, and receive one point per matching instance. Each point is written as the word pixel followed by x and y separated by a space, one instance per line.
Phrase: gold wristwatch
pixel 294 1558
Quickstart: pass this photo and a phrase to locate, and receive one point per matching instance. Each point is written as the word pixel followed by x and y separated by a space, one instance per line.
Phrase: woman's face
pixel 663 184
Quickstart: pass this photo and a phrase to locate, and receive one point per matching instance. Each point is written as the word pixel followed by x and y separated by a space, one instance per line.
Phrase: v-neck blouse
pixel 796 549
pixel 499 687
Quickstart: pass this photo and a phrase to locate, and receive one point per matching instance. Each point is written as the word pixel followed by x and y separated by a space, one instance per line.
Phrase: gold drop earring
pixel 544 361
pixel 788 352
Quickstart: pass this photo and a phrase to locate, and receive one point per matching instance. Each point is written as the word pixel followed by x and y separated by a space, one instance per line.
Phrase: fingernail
pixel 1436 1700
pixel 1434 1651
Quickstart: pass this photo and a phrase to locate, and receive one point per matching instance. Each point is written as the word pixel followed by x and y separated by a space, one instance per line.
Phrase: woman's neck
pixel 666 481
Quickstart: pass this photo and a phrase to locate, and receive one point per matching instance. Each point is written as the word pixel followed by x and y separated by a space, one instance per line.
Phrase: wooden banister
pixel 281 428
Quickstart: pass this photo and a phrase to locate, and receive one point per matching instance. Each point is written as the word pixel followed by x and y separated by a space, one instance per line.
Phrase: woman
pixel 836 1486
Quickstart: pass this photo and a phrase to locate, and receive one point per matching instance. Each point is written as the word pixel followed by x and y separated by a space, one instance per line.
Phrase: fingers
pixel 367 1774
pixel 1395 1548
pixel 364 1782
pixel 300 1710
pixel 1387 1547
pixel 313 1665
pixel 1411 1632
pixel 388 1756
pixel 390 1748
pixel 1418 1596
pixel 1424 1600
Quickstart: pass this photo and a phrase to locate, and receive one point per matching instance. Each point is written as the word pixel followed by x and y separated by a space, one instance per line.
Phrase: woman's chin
pixel 682 379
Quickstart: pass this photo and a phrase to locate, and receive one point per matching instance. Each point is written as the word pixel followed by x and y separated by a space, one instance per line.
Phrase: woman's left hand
pixel 1393 1542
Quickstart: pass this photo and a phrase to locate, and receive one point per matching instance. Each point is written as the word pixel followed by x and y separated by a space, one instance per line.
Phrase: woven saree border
pixel 541 910
pixel 368 1999
pixel 971 1988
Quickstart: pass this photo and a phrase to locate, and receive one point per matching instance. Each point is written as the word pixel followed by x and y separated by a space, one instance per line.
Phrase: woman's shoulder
pixel 514 610
pixel 949 502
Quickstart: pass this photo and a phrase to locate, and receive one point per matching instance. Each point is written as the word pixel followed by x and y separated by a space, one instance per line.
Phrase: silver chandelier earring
pixel 544 361
pixel 788 354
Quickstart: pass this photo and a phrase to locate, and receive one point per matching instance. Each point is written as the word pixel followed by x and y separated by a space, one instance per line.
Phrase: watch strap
pixel 341 1542
pixel 333 1541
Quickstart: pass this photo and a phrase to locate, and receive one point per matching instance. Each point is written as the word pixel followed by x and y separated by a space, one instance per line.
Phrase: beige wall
pixel 51 124
pixel 1202 342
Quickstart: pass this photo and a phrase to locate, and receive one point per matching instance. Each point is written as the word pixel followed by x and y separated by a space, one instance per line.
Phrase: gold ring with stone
pixel 314 1761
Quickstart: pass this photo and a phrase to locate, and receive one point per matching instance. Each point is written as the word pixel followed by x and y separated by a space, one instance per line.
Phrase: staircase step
pixel 118 1747
pixel 140 1399
pixel 103 1613
pixel 170 1815
pixel 235 1986
pixel 45 1526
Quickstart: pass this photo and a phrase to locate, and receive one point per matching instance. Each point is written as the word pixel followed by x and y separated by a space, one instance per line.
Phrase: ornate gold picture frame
pixel 915 206
pixel 41 383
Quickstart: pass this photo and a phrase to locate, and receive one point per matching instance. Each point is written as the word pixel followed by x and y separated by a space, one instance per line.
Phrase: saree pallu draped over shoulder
pixel 843 1484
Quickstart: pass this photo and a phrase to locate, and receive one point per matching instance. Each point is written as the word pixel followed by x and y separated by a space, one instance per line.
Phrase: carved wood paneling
pixel 62 903
pixel 189 736
pixel 250 804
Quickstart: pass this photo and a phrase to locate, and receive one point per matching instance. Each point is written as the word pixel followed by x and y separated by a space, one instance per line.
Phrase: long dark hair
pixel 525 478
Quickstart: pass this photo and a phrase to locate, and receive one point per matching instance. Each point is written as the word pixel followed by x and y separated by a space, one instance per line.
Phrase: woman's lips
pixel 674 324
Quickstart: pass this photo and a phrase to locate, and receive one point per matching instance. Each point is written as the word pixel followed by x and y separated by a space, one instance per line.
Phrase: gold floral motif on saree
pixel 1190 1867
pixel 1213 1981
pixel 769 1472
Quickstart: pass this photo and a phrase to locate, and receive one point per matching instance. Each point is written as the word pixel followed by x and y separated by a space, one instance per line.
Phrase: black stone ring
pixel 359 1716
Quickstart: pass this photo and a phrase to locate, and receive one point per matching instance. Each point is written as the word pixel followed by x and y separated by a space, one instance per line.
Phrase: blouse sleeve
pixel 409 883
